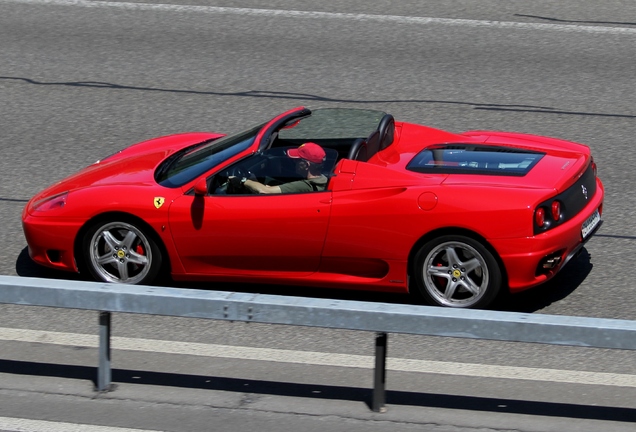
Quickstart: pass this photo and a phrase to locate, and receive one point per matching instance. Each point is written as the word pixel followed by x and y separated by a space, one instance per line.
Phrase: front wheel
pixel 457 271
pixel 120 252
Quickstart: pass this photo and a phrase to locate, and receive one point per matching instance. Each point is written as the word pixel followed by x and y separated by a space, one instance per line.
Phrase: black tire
pixel 121 252
pixel 457 271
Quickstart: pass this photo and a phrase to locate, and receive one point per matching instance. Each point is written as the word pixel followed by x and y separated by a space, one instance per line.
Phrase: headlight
pixel 51 203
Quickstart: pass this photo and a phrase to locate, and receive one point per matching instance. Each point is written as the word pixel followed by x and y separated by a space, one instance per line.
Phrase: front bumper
pixel 51 241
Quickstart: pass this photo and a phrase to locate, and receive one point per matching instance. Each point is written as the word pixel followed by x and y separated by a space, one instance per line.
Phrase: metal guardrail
pixel 382 318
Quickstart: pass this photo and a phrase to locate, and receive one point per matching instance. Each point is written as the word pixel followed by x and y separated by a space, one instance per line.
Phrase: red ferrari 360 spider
pixel 456 218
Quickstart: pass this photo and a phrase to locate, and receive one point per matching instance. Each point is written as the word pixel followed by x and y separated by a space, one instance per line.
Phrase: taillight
pixel 594 167
pixel 548 215
pixel 555 209
pixel 539 217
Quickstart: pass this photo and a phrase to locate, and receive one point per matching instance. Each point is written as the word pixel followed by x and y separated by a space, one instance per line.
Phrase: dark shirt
pixel 309 185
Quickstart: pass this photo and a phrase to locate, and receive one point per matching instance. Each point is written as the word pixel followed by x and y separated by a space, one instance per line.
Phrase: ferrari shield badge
pixel 159 201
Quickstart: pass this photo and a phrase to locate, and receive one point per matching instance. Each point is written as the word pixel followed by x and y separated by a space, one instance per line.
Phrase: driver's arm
pixel 260 187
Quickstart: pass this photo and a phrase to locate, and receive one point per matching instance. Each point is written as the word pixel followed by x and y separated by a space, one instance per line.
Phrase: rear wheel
pixel 457 271
pixel 121 252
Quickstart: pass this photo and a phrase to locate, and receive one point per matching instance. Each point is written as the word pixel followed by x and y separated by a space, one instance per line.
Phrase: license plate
pixel 590 224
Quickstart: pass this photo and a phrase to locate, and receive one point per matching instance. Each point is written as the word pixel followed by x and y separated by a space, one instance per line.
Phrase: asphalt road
pixel 81 80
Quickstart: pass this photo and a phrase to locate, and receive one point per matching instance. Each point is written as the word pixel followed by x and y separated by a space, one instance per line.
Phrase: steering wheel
pixel 234 189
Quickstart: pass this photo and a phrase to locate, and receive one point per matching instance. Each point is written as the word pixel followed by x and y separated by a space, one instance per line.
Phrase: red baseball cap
pixel 309 151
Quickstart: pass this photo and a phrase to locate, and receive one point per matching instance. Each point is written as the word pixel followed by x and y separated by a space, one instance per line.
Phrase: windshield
pixel 189 163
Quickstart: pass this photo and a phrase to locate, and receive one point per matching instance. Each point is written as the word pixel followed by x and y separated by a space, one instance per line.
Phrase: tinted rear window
pixel 472 159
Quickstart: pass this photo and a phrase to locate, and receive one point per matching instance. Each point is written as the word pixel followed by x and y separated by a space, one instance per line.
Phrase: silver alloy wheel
pixel 455 274
pixel 120 252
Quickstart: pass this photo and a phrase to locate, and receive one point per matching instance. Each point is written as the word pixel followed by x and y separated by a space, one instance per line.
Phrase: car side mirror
pixel 201 187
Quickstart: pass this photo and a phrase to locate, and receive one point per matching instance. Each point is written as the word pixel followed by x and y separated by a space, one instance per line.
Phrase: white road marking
pixel 572 28
pixel 24 425
pixel 322 359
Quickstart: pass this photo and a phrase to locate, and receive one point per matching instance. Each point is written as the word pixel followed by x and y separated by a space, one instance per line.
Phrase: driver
pixel 309 158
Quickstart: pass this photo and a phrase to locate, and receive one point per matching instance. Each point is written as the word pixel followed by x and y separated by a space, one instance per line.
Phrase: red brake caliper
pixel 441 282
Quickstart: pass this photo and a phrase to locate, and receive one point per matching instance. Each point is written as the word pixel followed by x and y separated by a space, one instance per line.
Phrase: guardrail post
pixel 103 371
pixel 379 381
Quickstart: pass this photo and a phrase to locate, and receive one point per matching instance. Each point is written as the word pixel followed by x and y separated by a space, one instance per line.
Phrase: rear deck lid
pixel 495 165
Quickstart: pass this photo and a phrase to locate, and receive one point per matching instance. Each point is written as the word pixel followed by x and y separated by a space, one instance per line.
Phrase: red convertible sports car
pixel 457 218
